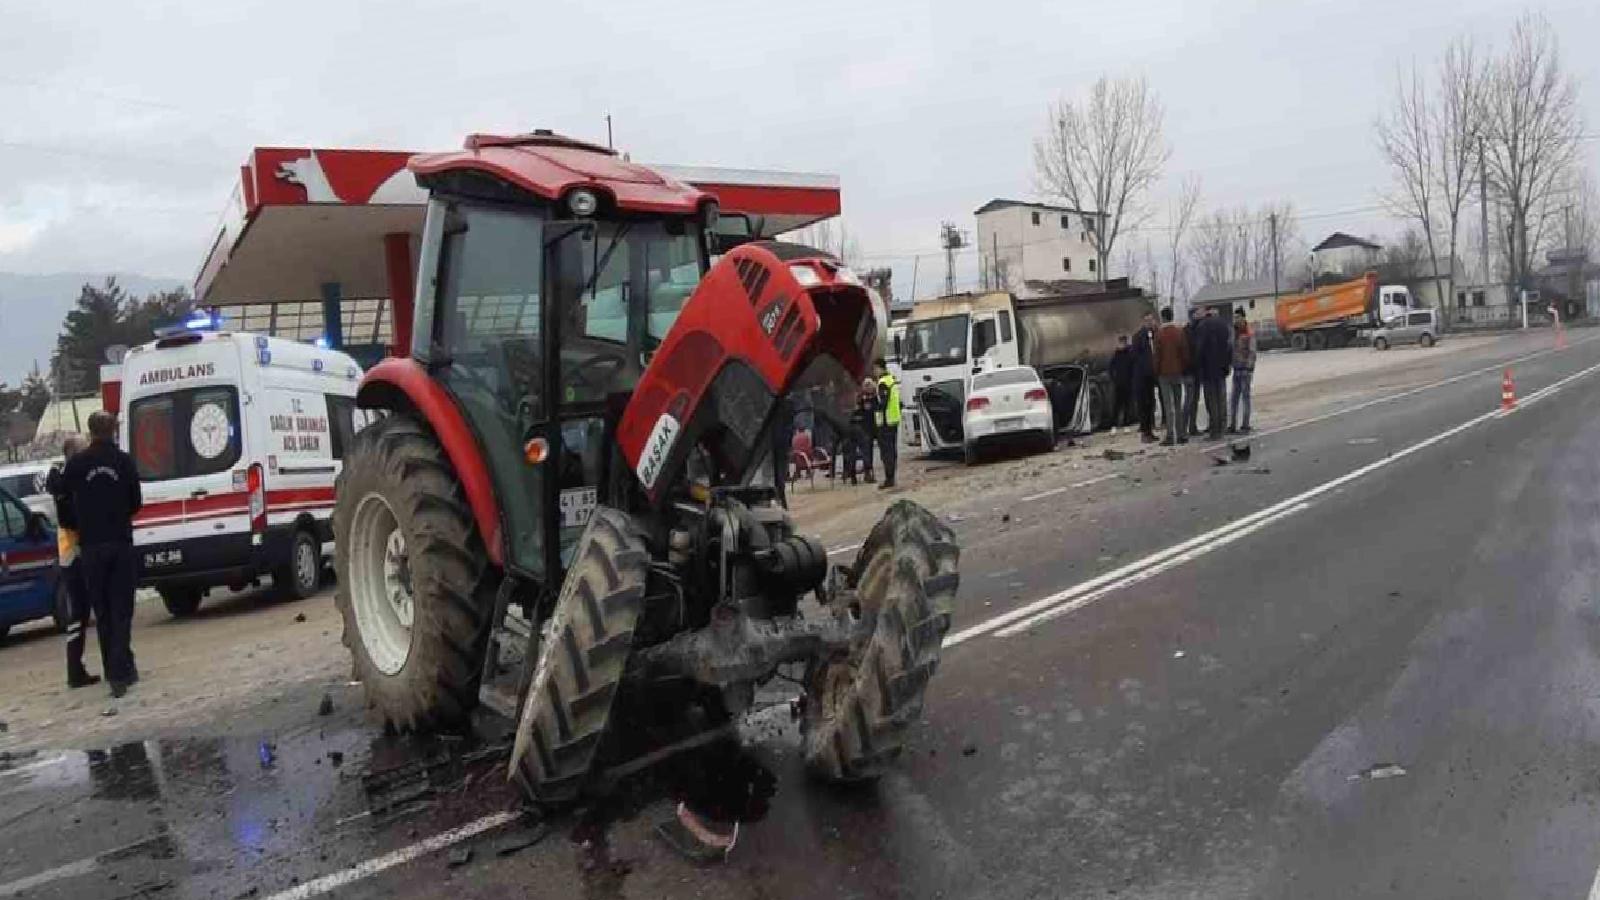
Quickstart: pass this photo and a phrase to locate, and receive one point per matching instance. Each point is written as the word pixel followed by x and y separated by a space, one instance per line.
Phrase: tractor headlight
pixel 583 203
pixel 806 275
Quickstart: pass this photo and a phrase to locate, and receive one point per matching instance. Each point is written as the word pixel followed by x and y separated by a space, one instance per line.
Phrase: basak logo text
pixel 177 373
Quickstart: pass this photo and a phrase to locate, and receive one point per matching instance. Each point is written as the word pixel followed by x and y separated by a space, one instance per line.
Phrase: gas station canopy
pixel 323 224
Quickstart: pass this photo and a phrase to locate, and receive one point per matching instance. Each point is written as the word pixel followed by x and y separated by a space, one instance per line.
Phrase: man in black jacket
pixel 1144 378
pixel 1215 351
pixel 71 571
pixel 1121 371
pixel 104 485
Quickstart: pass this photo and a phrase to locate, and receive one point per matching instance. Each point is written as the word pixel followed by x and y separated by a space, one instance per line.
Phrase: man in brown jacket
pixel 1172 360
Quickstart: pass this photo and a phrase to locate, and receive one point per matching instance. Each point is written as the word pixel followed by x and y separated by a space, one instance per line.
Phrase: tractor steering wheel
pixel 580 373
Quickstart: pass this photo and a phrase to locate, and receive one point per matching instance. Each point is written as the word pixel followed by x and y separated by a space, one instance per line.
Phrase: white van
pixel 238 439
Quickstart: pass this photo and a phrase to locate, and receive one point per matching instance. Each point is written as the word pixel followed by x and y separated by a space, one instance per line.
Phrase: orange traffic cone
pixel 1508 392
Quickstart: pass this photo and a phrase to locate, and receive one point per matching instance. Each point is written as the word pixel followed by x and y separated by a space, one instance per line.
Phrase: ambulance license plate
pixel 161 558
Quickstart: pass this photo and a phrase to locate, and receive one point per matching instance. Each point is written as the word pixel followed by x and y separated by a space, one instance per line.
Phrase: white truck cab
pixel 238 440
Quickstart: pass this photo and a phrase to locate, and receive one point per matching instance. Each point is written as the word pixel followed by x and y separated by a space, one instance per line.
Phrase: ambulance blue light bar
pixel 199 320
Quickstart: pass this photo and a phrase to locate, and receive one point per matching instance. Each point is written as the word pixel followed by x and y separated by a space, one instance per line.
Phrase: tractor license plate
pixel 577 505
pixel 162 558
pixel 1011 424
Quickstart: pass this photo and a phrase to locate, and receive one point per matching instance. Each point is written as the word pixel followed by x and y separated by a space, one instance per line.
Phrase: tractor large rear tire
pixel 859 709
pixel 582 652
pixel 415 588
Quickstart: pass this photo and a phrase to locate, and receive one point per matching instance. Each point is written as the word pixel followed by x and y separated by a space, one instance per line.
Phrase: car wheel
pixel 181 601
pixel 969 454
pixel 1380 343
pixel 1297 341
pixel 1047 442
pixel 1427 340
pixel 1317 340
pixel 4 630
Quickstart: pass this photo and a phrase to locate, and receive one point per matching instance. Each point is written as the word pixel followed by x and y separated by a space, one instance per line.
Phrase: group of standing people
pixel 1187 364
pixel 873 423
pixel 96 492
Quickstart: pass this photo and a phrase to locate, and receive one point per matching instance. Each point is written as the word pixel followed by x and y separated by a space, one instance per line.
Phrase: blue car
pixel 31 586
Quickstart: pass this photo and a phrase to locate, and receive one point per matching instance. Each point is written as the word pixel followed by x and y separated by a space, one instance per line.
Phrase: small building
pixel 1570 280
pixel 1255 296
pixel 1021 243
pixel 1344 254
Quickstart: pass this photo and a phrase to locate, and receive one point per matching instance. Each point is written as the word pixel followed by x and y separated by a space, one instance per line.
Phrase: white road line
pixel 1168 563
pixel 371 867
pixel 1123 573
pixel 1594 889
pixel 1061 490
pixel 70 870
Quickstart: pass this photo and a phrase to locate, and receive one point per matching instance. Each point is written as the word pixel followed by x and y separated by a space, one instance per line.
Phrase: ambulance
pixel 238 439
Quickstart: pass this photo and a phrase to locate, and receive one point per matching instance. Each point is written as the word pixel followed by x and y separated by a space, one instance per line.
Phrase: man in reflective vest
pixel 888 423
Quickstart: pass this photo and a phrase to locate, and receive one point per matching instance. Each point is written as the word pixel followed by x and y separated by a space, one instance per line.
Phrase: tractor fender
pixel 399 384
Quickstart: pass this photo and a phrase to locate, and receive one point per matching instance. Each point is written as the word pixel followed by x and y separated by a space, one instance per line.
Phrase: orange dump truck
pixel 1332 315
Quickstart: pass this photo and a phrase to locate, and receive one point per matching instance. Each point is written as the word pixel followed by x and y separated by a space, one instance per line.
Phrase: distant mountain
pixel 32 307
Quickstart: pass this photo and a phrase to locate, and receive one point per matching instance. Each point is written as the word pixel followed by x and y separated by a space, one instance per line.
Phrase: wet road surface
pixel 1387 691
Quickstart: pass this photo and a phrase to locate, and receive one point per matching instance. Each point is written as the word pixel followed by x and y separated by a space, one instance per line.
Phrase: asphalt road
pixel 1362 663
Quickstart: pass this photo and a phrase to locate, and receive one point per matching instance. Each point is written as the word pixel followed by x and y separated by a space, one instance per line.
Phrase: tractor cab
pixel 550 272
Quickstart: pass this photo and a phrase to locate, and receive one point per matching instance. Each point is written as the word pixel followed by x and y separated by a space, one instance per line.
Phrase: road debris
pixel 325 708
pixel 969 750
pixel 1177 654
pixel 299 617
pixel 1379 771
pixel 268 752
pixel 336 757
pixel 459 857
pixel 1114 455
pixel 108 711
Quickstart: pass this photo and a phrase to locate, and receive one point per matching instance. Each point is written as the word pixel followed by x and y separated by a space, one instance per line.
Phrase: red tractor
pixel 567 509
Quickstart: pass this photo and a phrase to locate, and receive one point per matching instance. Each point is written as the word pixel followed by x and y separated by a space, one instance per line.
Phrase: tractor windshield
pixel 619 289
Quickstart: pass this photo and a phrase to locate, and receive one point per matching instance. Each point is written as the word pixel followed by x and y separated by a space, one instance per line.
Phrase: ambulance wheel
pixel 859 707
pixel 301 575
pixel 182 601
pixel 415 586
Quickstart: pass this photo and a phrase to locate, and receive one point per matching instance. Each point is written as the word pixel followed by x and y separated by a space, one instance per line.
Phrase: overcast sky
pixel 122 124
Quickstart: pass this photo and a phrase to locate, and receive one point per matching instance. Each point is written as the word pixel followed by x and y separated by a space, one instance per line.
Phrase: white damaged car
pixel 1007 405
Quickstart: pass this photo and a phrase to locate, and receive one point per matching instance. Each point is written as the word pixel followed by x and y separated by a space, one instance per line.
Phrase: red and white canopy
pixel 302 218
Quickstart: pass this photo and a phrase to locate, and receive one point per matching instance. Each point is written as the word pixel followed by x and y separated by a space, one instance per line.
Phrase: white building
pixel 1022 242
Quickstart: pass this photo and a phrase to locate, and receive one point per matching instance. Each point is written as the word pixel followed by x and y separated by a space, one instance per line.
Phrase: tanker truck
pixel 1068 339
pixel 1333 315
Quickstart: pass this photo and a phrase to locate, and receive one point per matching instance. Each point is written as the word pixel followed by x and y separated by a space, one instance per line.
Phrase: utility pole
pixel 951 240
pixel 1483 208
pixel 916 261
pixel 609 145
pixel 1272 225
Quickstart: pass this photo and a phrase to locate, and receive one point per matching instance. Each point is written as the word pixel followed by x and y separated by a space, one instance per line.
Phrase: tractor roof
pixel 549 165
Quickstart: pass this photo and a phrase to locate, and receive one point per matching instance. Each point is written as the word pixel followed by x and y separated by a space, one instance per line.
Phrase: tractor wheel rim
pixel 380 584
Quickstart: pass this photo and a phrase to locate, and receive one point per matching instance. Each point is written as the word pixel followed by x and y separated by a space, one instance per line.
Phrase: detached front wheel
pixel 859 707
pixel 414 584
pixel 582 651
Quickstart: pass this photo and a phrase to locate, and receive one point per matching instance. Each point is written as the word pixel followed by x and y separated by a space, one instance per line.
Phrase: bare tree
pixel 833 239
pixel 1181 213
pixel 1532 127
pixel 1458 131
pixel 1102 155
pixel 1405 135
pixel 1236 244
